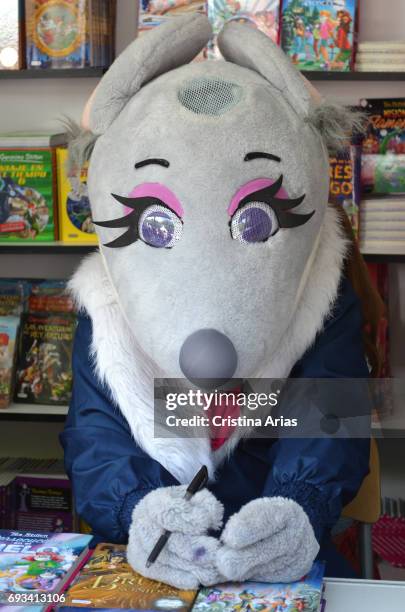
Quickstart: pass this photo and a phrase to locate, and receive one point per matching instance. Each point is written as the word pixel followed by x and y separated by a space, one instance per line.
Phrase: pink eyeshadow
pixel 251 187
pixel 156 190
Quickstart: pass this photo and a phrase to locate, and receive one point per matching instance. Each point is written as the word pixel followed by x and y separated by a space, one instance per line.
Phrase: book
pixel 155 12
pixel 42 502
pixel 108 581
pixel 49 296
pixel 27 195
pixel 8 340
pixel 74 213
pixel 304 595
pixel 12 298
pixel 14 140
pixel 11 34
pixel 383 150
pixel 345 183
pixel 44 373
pixel 320 34
pixel 260 14
pixel 39 565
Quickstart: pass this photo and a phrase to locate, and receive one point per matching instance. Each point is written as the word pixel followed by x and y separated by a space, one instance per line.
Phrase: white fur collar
pixel 123 366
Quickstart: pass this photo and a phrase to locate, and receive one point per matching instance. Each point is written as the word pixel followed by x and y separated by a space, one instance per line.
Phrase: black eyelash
pixel 281 206
pixel 131 221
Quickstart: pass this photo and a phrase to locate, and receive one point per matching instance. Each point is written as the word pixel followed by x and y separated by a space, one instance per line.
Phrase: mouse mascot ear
pixel 252 49
pixel 173 44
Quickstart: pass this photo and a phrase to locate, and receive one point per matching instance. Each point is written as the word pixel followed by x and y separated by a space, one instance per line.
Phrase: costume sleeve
pixel 109 472
pixel 324 474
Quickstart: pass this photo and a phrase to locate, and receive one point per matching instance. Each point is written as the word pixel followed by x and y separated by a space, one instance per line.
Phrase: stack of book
pixel 382 225
pixel 381 56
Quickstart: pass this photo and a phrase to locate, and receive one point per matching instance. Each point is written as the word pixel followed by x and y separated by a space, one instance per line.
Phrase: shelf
pixel 53 73
pixel 33 412
pixel 60 248
pixel 384 257
pixel 353 76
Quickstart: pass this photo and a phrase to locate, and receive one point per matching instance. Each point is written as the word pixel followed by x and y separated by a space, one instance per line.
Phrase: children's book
pixel 11 35
pixel 383 158
pixel 303 595
pixel 75 224
pixel 27 195
pixel 345 183
pixel 319 34
pixel 155 12
pixel 260 14
pixel 49 296
pixel 12 298
pixel 8 337
pixel 44 355
pixel 108 581
pixel 36 567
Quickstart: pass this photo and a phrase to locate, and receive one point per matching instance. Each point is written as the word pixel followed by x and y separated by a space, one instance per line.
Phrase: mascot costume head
pixel 208 182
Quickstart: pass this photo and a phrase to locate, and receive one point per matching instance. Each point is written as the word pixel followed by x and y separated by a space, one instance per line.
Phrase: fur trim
pixel 121 363
pixel 336 124
pixel 80 145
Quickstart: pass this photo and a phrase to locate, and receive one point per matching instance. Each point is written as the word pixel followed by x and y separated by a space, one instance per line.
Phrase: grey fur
pixel 189 557
pixel 80 145
pixel 269 539
pixel 336 124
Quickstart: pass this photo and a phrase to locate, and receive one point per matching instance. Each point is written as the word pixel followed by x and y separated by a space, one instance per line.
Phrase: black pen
pixel 199 481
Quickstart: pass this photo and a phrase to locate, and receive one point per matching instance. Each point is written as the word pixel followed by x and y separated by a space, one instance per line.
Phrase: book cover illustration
pixel 345 183
pixel 383 159
pixel 37 562
pixel 49 296
pixel 8 336
pixel 260 14
pixel 12 297
pixel 44 372
pixel 155 12
pixel 56 34
pixel 300 596
pixel 319 34
pixel 108 581
pixel 27 182
pixel 75 223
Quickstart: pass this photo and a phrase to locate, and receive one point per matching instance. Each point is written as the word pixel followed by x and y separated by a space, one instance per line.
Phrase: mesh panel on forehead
pixel 209 96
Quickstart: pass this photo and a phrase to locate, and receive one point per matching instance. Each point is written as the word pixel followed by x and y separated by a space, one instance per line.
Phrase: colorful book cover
pixel 303 595
pixel 27 195
pixel 44 373
pixel 155 12
pixel 345 183
pixel 56 33
pixel 383 159
pixel 12 297
pixel 319 34
pixel 8 338
pixel 108 581
pixel 260 14
pixel 49 296
pixel 75 224
pixel 10 35
pixel 38 564
pixel 42 503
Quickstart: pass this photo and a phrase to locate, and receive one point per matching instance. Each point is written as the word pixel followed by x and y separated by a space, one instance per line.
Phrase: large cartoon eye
pixel 159 227
pixel 254 222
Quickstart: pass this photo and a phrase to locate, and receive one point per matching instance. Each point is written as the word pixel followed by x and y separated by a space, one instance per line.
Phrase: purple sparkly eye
pixel 159 227
pixel 255 222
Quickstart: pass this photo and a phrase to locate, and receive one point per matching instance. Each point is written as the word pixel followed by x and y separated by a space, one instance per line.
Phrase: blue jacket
pixel 110 473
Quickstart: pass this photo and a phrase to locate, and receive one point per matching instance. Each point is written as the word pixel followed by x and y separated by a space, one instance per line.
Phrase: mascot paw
pixel 269 539
pixel 189 557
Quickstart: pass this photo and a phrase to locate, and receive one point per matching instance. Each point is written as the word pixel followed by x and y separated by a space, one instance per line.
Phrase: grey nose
pixel 208 357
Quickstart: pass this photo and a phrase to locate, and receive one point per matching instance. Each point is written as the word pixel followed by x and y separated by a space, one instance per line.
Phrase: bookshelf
pixel 33 412
pixel 55 73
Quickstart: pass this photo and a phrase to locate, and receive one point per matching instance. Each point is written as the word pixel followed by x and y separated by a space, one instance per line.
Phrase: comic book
pixel 27 195
pixel 383 158
pixel 35 567
pixel 49 296
pixel 75 224
pixel 8 338
pixel 44 374
pixel 303 595
pixel 319 34
pixel 108 581
pixel 260 14
pixel 11 34
pixel 345 183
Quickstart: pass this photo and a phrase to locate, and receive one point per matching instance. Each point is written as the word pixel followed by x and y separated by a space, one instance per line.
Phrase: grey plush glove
pixel 270 539
pixel 189 557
